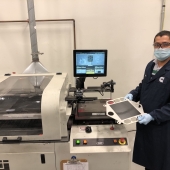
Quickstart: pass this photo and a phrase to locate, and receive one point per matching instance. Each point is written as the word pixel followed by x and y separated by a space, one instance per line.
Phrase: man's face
pixel 162 42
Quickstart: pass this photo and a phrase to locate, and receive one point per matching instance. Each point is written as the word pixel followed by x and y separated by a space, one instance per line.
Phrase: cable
pixel 101 92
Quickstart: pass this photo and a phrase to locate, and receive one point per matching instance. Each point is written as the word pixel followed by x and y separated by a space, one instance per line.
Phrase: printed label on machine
pixel 99 143
pixel 82 128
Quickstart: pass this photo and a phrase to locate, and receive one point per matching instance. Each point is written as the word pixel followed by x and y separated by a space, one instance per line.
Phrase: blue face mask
pixel 162 54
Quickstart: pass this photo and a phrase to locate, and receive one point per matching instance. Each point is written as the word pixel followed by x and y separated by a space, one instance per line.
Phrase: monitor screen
pixel 90 63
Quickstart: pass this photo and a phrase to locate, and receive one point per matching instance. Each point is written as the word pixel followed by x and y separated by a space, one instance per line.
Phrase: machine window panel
pixel 20 105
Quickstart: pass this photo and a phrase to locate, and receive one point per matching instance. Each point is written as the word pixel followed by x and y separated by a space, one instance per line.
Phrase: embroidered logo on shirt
pixel 161 79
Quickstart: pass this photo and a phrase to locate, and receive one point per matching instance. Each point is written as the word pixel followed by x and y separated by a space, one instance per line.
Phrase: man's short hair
pixel 162 33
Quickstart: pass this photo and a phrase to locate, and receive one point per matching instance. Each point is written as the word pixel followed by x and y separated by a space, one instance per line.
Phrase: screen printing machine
pixel 51 125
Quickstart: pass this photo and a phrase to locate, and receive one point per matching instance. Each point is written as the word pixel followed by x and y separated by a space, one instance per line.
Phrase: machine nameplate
pixel 82 129
pixel 99 143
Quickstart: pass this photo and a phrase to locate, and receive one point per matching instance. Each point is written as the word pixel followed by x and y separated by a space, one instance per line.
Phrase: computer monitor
pixel 90 63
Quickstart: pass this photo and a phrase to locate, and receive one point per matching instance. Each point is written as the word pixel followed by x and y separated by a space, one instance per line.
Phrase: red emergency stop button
pixel 122 141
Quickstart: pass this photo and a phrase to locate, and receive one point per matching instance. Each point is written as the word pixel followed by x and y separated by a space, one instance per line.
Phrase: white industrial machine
pixel 32 121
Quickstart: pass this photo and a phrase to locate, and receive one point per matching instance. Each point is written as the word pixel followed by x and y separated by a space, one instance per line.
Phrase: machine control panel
pixel 100 142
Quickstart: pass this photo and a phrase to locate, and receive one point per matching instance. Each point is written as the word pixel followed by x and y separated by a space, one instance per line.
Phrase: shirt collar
pixel 156 64
pixel 155 61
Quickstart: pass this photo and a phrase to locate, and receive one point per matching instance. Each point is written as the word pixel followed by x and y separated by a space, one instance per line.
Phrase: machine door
pixel 20 106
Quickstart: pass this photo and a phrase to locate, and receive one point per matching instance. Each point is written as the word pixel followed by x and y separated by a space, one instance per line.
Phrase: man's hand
pixel 129 96
pixel 145 118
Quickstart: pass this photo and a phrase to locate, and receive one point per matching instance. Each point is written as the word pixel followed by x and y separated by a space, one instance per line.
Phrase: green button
pixel 77 142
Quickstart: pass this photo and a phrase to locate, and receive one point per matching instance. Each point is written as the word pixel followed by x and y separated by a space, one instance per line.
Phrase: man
pixel 152 141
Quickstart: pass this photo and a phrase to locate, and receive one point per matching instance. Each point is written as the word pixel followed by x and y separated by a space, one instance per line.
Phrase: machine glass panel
pixel 20 105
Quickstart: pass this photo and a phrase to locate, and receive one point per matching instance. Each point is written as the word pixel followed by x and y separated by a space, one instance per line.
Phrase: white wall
pixel 167 16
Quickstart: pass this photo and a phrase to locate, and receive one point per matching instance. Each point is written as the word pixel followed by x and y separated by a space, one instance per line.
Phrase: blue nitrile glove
pixel 129 96
pixel 145 118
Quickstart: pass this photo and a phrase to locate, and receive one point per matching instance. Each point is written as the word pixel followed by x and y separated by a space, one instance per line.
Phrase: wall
pixel 167 16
